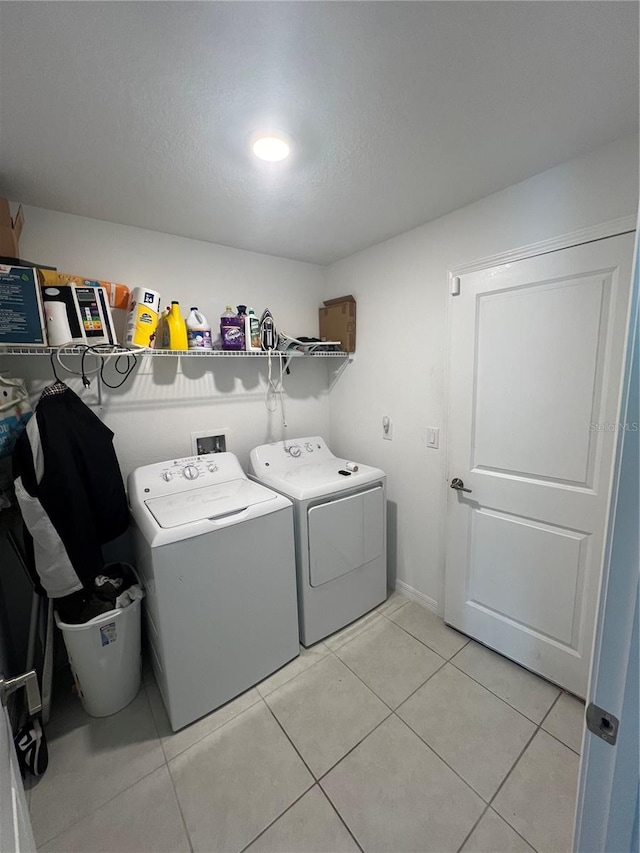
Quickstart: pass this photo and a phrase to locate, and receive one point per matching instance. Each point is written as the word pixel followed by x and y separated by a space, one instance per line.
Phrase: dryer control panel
pixel 282 456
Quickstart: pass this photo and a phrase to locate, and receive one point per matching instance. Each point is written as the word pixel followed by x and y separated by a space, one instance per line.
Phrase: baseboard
pixel 419 597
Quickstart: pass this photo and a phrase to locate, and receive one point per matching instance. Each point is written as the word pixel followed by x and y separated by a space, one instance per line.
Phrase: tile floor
pixel 397 734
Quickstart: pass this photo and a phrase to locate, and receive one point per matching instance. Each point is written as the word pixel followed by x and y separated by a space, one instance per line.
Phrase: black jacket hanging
pixel 70 490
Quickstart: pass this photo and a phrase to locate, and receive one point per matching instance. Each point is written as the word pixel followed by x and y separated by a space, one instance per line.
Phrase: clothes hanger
pixel 57 387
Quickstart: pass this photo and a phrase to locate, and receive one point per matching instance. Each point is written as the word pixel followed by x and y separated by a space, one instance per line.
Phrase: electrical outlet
pixel 387 428
pixel 209 441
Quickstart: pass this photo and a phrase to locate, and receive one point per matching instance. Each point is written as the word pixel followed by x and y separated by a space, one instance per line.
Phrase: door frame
pixel 601 231
pixel 604 815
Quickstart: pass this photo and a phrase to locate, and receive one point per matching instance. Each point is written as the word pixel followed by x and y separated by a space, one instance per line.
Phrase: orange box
pixel 118 293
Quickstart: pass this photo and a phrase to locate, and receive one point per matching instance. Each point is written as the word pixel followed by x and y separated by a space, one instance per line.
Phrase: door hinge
pixel 602 723
pixel 454 285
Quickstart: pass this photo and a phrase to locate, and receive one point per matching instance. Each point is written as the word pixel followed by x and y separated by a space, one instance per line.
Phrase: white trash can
pixel 104 654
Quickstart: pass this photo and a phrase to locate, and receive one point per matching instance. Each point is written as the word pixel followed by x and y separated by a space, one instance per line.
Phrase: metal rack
pixel 168 353
pixel 287 356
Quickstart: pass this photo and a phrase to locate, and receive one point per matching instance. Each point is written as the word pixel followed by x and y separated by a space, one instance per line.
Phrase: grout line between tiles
pixel 493 693
pixel 207 733
pixel 179 804
pixel 171 779
pixel 342 820
pixel 276 819
pixel 100 805
pixel 468 639
pixel 444 761
pixel 293 677
pixel 554 737
pixel 322 775
pixel 284 732
pixel 368 686
pixel 553 705
pixel 538 726
pixel 395 610
pixel 370 623
pixel 97 808
pixel 473 828
pixel 544 720
pixel 386 704
pixel 155 725
pixel 512 768
pixel 355 746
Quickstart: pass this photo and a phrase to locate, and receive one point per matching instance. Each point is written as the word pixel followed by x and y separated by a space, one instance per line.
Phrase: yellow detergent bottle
pixel 177 328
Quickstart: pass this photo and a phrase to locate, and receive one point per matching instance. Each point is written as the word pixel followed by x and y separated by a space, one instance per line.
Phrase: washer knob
pixel 294 451
pixel 190 472
pixel 212 467
pixel 309 447
pixel 167 476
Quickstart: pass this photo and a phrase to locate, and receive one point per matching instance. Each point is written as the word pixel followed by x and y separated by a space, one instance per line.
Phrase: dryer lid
pixel 207 502
pixel 312 480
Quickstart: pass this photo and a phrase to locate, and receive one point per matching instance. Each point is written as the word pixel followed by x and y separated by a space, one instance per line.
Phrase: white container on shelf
pixel 105 659
pixel 252 332
pixel 198 331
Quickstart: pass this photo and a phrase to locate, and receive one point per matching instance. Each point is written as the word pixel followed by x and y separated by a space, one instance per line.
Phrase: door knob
pixel 458 485
pixel 30 682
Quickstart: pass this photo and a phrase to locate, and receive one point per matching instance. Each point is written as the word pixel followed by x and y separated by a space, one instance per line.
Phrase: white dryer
pixel 340 526
pixel 216 554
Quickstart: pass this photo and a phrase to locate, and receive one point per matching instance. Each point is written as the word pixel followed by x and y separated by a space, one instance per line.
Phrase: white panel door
pixel 536 367
pixel 16 835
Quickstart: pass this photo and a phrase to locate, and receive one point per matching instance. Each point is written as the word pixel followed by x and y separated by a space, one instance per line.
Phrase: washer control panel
pixel 191 468
pixel 191 472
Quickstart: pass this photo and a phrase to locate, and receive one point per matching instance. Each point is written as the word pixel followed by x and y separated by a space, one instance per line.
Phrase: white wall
pixel 153 415
pixel 399 368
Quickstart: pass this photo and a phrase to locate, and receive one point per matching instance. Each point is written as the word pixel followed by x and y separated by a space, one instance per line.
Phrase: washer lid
pixel 207 502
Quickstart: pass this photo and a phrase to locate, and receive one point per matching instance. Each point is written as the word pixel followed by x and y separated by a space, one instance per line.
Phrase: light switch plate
pixel 433 437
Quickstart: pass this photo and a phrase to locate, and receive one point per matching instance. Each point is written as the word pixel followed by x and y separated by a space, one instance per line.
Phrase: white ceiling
pixel 142 113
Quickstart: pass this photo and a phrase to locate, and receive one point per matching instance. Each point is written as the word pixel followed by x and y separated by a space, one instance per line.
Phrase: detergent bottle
pixel 162 331
pixel 232 330
pixel 252 332
pixel 177 328
pixel 198 331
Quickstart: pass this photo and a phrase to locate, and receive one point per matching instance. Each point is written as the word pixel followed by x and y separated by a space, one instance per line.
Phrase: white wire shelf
pixel 36 349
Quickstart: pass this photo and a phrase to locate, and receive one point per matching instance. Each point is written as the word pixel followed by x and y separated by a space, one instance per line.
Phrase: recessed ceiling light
pixel 271 148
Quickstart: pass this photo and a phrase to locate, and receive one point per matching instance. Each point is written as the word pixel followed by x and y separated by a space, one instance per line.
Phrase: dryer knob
pixel 167 476
pixel 190 472
pixel 294 451
pixel 309 447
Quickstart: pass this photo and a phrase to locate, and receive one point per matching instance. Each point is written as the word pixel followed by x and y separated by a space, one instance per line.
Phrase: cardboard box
pixel 10 230
pixel 338 322
pixel 21 317
pixel 118 293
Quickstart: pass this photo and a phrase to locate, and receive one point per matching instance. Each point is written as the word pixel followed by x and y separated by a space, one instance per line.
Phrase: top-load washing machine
pixel 340 526
pixel 216 555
